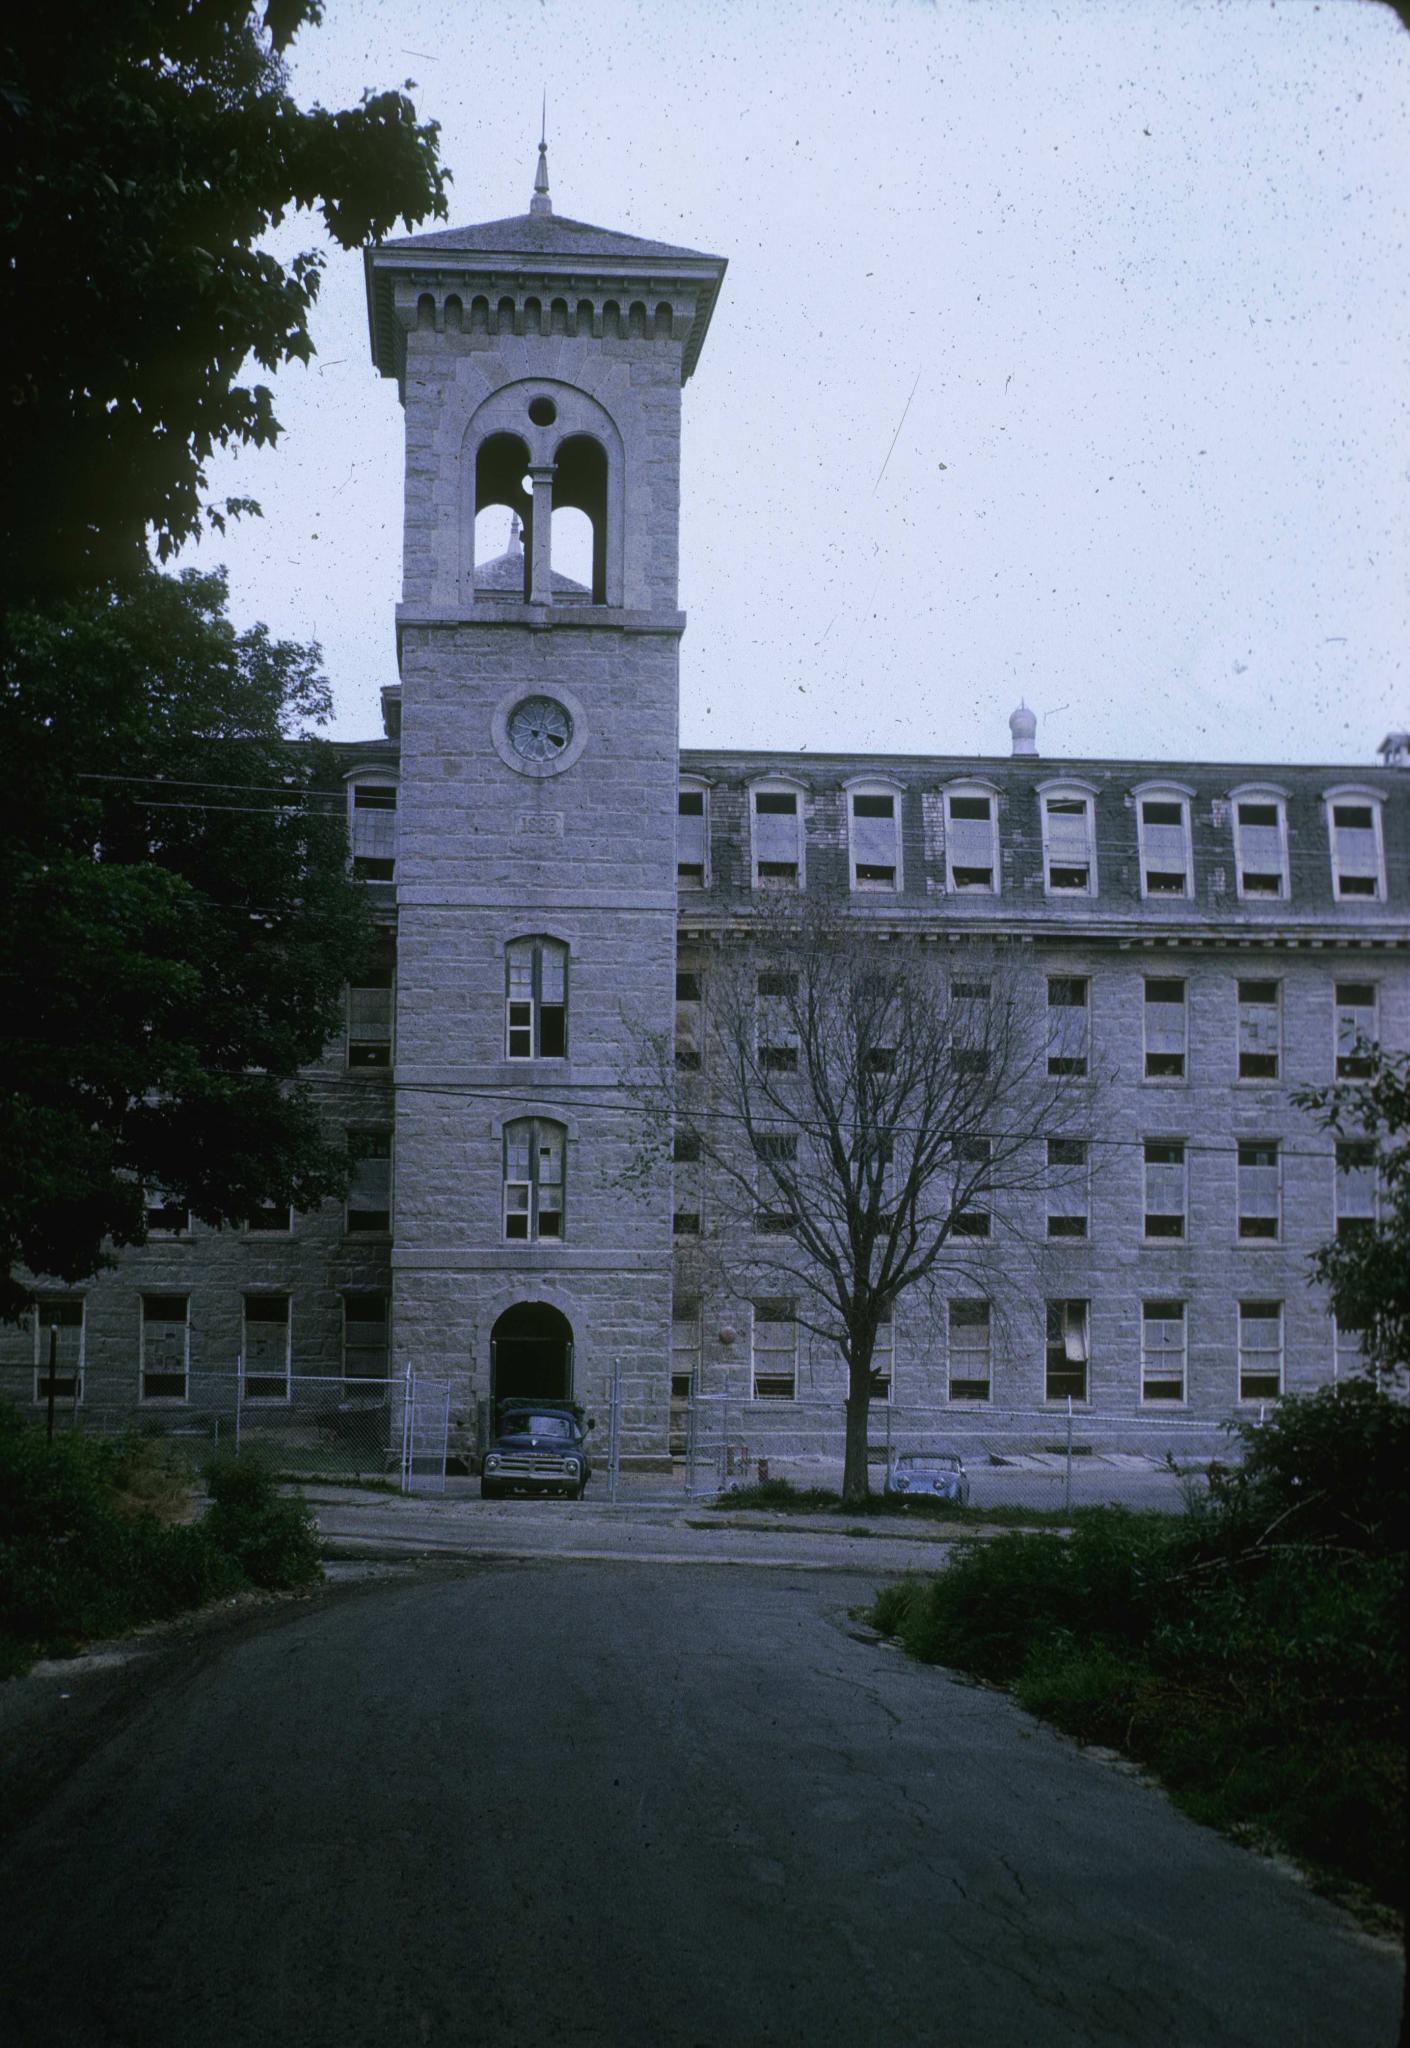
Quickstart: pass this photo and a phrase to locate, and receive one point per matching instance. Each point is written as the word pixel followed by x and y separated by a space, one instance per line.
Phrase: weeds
pixel 1250 1653
pixel 785 1498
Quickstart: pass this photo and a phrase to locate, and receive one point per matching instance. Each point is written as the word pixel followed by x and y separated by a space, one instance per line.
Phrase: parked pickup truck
pixel 537 1447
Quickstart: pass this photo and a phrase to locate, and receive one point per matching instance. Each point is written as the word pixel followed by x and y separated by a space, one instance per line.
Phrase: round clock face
pixel 540 728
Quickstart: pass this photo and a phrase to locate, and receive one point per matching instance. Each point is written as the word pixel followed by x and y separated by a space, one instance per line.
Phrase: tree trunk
pixel 856 1484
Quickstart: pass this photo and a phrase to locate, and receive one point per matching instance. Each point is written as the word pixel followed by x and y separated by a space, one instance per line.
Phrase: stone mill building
pixel 550 872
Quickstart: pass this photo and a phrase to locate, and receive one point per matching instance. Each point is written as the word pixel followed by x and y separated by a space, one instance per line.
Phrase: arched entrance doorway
pixel 531 1353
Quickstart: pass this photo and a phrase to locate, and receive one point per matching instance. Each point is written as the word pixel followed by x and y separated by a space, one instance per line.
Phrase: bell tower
pixel 540 363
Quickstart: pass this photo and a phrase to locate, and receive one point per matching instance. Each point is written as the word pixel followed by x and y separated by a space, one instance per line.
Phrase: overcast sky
pixel 1062 356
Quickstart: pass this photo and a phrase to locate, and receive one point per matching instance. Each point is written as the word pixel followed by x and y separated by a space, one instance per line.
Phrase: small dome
pixel 506 572
pixel 1024 727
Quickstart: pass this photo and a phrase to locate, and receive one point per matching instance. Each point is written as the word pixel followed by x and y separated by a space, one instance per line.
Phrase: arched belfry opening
pixel 580 484
pixel 500 469
pixel 531 1353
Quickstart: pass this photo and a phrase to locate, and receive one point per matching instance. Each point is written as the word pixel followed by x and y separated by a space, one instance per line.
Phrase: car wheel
pixel 490 1489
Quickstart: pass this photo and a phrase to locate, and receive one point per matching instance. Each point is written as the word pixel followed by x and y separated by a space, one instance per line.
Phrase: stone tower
pixel 540 363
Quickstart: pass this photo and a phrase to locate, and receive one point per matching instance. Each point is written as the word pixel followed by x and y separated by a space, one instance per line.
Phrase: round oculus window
pixel 540 729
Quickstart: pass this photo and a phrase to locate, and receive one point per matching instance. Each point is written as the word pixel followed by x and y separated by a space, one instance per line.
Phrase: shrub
pixel 273 1540
pixel 1334 1465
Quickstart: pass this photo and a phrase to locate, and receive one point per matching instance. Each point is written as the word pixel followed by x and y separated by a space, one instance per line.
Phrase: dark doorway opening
pixel 531 1353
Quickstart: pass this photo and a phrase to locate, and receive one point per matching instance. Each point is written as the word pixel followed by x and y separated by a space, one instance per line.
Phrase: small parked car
pixel 928 1475
pixel 538 1447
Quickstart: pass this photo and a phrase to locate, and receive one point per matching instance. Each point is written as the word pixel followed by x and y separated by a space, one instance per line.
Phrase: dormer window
pixel 693 836
pixel 1069 840
pixel 1261 844
pixel 776 819
pixel 1163 822
pixel 972 841
pixel 372 829
pixel 874 836
pixel 1358 855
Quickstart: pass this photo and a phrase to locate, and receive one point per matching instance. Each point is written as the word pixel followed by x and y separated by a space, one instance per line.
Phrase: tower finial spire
pixel 541 203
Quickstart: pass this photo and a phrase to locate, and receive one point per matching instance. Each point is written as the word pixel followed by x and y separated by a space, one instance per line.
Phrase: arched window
pixel 1163 826
pixel 972 839
pixel 874 835
pixel 500 466
pixel 693 835
pixel 1260 841
pixel 1069 838
pixel 536 999
pixel 1358 854
pixel 533 1179
pixel 580 484
pixel 776 828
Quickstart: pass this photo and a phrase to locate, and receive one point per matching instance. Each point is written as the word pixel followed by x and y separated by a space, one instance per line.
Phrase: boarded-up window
pixel 1165 1188
pixel 1067 1355
pixel 1069 845
pixel 1260 1350
pixel 1068 1011
pixel 266 1350
pixel 165 1347
pixel 365 1354
pixel 1260 847
pixel 971 843
pixel 1260 1022
pixel 374 831
pixel 971 1356
pixel 777 816
pixel 370 1017
pixel 874 839
pixel 370 1190
pixel 1258 1188
pixel 693 839
pixel 775 1350
pixel 58 1335
pixel 1162 1350
pixel 1165 1028
pixel 1356 1028
pixel 1356 849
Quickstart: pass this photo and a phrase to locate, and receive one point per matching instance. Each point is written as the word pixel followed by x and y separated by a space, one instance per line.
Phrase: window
pixel 971 842
pixel 166 1217
pixel 777 819
pixel 1356 1187
pixel 774 1214
pixel 1260 845
pixel 1068 1011
pixel 1260 1350
pixel 1162 1350
pixel 1347 1358
pixel 1165 1028
pixel 58 1335
pixel 971 1369
pixel 265 1353
pixel 1356 1020
pixel 370 1017
pixel 1258 1189
pixel 693 837
pixel 1260 1030
pixel 874 838
pixel 1067 1187
pixel 685 1154
pixel 166 1347
pixel 369 1207
pixel 971 1025
pixel 536 999
pixel 365 1347
pixel 686 1323
pixel 689 1017
pixel 777 1039
pixel 775 1350
pixel 270 1219
pixel 1067 1355
pixel 533 1179
pixel 373 815
pixel 1165 1204
pixel 883 1360
pixel 1069 843
pixel 971 1217
pixel 1164 825
pixel 1354 830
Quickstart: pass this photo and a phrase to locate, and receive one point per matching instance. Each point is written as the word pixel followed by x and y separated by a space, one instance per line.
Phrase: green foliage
pixel 177 891
pixel 1252 1652
pixel 782 1496
pixel 274 1541
pixel 1368 1273
pixel 82 1555
pixel 149 147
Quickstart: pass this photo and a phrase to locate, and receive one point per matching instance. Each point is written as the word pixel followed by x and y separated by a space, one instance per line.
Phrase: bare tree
pixel 878 1108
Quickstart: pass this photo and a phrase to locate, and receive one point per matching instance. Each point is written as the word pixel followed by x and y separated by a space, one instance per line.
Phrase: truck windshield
pixel 522 1422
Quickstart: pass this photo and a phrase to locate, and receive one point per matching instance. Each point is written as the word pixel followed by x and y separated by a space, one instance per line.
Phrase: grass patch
pixel 1250 1652
pixel 99 1536
pixel 783 1497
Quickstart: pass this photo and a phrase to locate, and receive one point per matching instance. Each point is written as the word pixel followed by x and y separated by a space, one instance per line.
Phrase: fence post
pixel 614 1434
pixel 407 1403
pixel 1067 1475
pixel 53 1369
pixel 239 1395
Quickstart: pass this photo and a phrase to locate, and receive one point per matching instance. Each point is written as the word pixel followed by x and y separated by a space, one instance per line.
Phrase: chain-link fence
pixel 307 1427
pixel 1049 1458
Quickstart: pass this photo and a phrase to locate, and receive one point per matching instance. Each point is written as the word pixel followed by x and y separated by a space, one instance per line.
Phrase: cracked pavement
pixel 569 1801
